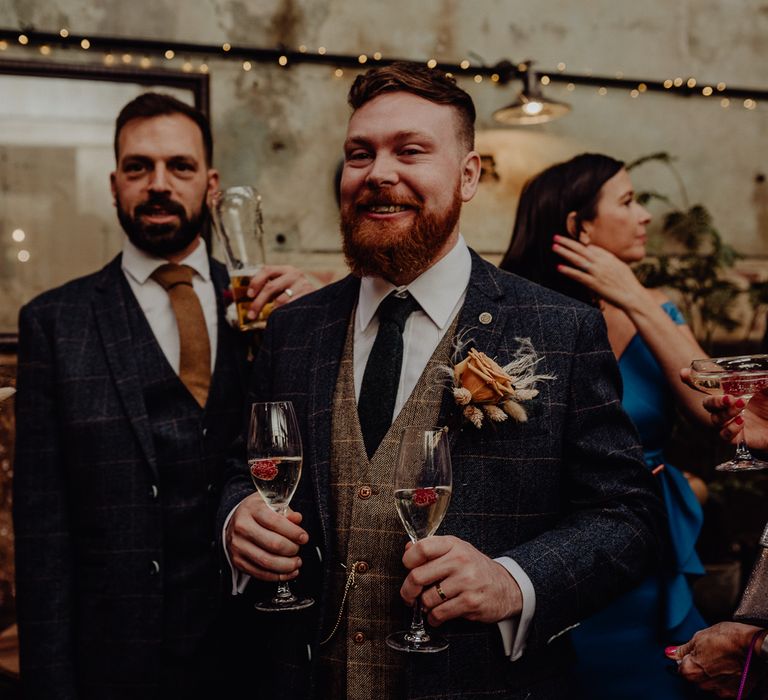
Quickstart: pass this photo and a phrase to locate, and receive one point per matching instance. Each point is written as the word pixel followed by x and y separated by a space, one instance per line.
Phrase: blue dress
pixel 621 649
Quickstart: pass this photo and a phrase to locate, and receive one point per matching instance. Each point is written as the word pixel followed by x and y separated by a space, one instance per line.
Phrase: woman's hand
pixel 598 270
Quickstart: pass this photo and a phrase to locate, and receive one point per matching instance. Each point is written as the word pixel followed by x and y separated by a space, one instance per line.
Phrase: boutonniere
pixel 485 389
pixel 230 308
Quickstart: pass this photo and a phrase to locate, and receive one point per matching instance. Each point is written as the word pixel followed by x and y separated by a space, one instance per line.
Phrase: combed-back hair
pixel 429 83
pixel 154 104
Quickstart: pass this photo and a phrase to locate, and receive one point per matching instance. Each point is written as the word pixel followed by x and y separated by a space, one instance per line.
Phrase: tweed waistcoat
pixel 190 444
pixel 369 537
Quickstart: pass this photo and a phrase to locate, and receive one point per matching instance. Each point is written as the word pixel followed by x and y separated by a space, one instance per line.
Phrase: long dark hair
pixel 545 202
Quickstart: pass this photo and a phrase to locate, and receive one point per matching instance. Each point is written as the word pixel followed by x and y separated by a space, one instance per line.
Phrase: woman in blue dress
pixel 578 227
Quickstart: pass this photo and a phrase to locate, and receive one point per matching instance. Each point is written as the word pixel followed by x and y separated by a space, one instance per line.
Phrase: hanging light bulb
pixel 531 107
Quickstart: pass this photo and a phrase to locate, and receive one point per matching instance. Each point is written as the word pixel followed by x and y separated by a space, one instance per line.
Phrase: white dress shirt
pixel 156 304
pixel 440 291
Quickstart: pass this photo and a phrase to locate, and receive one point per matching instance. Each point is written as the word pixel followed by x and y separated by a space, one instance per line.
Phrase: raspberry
pixel 264 469
pixel 424 497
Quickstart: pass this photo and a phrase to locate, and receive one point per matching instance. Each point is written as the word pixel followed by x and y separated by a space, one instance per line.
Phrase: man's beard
pixel 385 249
pixel 161 240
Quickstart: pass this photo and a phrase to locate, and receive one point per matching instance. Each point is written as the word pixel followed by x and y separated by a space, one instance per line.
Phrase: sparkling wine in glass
pixel 274 461
pixel 422 494
pixel 740 376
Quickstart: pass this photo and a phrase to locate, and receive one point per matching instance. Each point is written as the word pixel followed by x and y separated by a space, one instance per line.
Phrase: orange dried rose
pixel 483 378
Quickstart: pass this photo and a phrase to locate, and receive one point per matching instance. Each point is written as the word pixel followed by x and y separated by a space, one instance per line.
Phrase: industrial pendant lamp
pixel 531 107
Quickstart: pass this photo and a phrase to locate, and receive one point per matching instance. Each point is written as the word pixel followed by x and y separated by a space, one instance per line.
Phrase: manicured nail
pixel 740 403
pixel 726 400
pixel 556 237
pixel 670 652
pixel 738 420
pixel 560 268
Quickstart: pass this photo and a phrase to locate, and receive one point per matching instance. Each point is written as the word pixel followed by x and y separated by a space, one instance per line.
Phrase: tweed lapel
pixel 109 305
pixel 482 322
pixel 325 359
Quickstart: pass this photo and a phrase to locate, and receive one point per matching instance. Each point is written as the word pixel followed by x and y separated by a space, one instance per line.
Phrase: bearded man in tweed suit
pixel 550 518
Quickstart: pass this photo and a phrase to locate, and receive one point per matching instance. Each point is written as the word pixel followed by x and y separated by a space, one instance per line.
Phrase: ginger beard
pixel 395 251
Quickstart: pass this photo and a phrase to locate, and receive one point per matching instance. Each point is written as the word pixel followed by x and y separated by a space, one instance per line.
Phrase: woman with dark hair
pixel 578 228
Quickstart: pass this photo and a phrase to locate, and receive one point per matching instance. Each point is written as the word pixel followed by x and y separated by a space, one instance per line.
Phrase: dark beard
pixel 380 249
pixel 161 240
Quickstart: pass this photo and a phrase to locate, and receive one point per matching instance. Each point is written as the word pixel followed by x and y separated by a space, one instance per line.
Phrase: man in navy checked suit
pixel 549 519
pixel 117 472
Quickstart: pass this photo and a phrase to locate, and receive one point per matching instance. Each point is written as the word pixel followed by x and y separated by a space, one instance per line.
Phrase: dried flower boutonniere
pixel 485 389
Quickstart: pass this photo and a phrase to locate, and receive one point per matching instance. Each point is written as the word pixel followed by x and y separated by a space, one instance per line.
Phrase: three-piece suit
pixel 116 485
pixel 565 495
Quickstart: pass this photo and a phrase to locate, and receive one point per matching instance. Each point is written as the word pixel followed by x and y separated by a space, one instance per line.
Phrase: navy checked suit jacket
pixel 565 495
pixel 88 519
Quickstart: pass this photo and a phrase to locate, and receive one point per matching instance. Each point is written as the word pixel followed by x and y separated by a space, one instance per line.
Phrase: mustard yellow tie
pixel 194 345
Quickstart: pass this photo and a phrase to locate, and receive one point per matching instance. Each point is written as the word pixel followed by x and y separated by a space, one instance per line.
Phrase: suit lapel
pixel 482 320
pixel 109 305
pixel 325 360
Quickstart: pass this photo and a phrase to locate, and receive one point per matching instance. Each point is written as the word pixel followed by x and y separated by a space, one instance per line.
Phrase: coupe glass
pixel 274 461
pixel 422 495
pixel 740 376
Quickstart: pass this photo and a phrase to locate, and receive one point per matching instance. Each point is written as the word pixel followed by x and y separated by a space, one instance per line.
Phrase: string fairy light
pixel 501 73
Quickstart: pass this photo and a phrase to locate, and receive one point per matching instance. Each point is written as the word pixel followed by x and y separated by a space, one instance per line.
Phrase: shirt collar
pixel 140 265
pixel 437 289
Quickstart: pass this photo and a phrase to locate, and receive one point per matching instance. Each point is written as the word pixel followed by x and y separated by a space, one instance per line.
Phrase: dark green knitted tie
pixel 382 372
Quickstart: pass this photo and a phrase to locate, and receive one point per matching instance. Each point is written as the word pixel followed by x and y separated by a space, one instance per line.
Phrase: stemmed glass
pixel 422 494
pixel 740 376
pixel 274 461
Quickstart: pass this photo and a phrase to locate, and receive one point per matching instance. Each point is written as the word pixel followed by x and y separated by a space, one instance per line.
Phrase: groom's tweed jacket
pixel 565 494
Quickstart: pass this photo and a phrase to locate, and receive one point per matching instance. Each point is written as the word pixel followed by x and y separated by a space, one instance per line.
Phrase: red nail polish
pixel 670 652
pixel 738 420
pixel 726 400
pixel 740 403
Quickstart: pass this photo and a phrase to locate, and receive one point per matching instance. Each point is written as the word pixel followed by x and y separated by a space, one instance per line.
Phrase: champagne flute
pixel 274 461
pixel 422 494
pixel 740 376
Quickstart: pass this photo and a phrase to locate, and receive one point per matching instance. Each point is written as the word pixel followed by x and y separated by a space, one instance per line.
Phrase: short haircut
pixel 153 104
pixel 545 203
pixel 429 83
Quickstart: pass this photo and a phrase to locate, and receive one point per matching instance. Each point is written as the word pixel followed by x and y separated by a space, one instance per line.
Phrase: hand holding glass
pixel 422 494
pixel 740 376
pixel 274 461
pixel 238 225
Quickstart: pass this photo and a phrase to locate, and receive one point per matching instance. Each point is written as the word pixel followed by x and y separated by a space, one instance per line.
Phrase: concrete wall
pixel 281 128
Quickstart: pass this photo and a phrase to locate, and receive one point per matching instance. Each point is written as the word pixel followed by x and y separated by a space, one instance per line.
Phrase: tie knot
pixel 171 274
pixel 396 309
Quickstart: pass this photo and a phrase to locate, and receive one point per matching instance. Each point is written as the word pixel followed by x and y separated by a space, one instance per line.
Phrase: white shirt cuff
pixel 239 579
pixel 514 631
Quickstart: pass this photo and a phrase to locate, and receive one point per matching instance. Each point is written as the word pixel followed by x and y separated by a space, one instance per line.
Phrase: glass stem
pixel 742 451
pixel 417 634
pixel 283 593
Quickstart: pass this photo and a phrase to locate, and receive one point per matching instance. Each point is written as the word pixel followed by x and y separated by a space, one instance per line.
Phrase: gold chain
pixel 350 584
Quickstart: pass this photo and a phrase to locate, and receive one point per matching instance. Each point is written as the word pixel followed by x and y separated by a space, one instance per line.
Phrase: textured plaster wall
pixel 281 129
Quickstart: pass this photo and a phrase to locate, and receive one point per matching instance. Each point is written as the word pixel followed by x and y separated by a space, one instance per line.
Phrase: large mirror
pixel 56 132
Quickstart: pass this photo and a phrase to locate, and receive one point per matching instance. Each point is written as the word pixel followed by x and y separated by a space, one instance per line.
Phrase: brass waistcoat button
pixel 365 492
pixel 362 567
pixel 358 637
